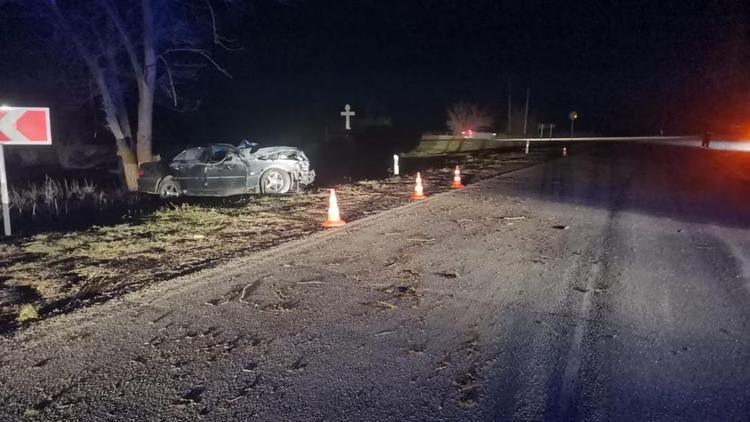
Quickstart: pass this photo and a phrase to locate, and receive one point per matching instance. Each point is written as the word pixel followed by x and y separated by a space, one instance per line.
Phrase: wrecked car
pixel 226 170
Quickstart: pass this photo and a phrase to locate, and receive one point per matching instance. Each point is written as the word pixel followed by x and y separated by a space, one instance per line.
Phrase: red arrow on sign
pixel 24 126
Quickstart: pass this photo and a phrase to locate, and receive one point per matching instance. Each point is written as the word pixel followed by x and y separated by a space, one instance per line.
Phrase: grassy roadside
pixel 48 274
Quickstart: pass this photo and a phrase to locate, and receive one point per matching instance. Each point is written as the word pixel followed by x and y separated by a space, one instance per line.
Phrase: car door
pixel 193 178
pixel 225 174
pixel 189 169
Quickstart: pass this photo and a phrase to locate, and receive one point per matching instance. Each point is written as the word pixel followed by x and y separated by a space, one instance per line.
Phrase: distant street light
pixel 573 115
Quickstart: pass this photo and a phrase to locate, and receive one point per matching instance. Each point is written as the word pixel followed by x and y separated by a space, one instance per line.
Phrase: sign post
pixel 20 126
pixel 4 192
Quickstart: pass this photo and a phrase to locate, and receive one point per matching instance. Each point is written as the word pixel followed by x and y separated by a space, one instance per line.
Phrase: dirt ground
pixel 49 274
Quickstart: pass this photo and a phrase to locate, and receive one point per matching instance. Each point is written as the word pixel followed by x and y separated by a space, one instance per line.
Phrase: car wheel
pixel 169 188
pixel 275 182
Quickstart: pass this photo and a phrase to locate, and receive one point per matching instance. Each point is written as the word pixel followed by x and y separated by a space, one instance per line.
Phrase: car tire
pixel 169 188
pixel 275 182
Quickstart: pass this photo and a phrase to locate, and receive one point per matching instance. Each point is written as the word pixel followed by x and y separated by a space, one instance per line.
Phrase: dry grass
pixel 27 313
pixel 70 204
pixel 60 197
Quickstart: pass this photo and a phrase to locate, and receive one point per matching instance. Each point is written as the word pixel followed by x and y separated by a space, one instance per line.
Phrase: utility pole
pixel 509 108
pixel 526 114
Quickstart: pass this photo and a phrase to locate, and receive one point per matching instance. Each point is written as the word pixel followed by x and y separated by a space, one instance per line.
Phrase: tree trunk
pixel 146 88
pixel 145 125
pixel 113 114
pixel 118 101
pixel 124 147
pixel 129 164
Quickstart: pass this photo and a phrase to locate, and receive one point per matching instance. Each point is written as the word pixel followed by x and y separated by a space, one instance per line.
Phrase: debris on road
pixel 382 305
pixel 192 396
pixel 304 283
pixel 249 289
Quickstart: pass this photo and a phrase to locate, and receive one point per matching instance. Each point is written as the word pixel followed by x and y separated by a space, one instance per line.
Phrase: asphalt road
pixel 610 285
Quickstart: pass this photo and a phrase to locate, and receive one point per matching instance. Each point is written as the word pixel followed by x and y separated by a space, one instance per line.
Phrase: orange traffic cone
pixel 334 218
pixel 457 179
pixel 418 191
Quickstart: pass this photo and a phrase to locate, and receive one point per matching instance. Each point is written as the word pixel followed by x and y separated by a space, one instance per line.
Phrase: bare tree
pixel 465 116
pixel 145 47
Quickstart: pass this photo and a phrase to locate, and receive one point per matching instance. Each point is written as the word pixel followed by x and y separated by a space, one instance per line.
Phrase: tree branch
pixel 171 80
pixel 201 52
pixel 218 39
pixel 97 73
pixel 113 82
pixel 124 38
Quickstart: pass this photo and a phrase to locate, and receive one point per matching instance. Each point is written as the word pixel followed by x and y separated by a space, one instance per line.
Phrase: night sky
pixel 628 67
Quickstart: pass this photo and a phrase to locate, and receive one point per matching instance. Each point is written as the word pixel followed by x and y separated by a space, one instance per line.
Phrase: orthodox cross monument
pixel 348 114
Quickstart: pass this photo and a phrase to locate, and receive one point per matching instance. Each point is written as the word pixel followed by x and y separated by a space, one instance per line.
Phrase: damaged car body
pixel 226 170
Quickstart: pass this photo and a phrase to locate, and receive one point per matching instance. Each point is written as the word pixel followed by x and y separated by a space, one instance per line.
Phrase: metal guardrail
pixel 683 141
pixel 435 145
pixel 600 139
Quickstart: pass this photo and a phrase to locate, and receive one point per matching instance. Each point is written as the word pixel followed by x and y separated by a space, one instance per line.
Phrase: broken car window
pixel 193 154
pixel 219 153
